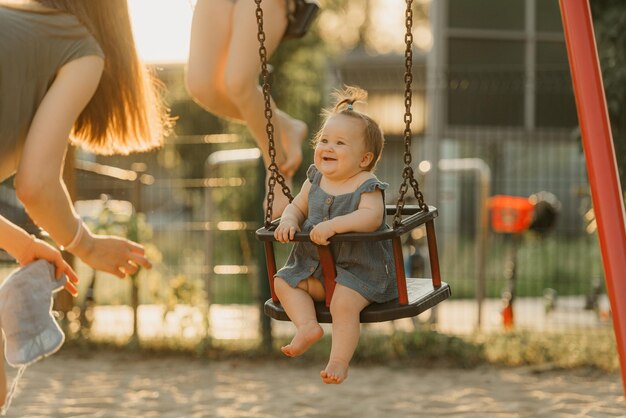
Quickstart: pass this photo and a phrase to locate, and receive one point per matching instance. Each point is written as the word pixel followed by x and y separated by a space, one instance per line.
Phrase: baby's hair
pixel 344 105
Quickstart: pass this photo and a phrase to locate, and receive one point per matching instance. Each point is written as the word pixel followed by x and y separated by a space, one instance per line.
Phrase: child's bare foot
pixel 335 372
pixel 293 132
pixel 306 336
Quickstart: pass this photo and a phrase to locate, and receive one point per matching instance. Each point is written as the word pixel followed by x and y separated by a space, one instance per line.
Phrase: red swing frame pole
pixel 606 192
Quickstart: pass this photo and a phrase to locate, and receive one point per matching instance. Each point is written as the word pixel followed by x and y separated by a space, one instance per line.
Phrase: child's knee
pixel 280 285
pixel 202 89
pixel 238 87
pixel 342 307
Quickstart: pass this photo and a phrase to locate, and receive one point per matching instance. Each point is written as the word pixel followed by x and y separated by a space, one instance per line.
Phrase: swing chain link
pixel 407 173
pixel 275 175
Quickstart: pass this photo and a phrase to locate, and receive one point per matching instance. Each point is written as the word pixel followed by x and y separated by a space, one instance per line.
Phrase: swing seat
pixel 422 296
pixel 415 295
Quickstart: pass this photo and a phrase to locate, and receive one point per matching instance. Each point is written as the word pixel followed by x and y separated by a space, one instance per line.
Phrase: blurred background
pixel 495 144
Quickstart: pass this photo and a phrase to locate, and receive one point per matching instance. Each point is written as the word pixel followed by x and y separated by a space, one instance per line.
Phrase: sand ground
pixel 122 385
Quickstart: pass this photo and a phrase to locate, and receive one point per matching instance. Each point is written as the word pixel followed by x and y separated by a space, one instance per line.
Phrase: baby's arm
pixel 294 214
pixel 366 218
pixel 26 248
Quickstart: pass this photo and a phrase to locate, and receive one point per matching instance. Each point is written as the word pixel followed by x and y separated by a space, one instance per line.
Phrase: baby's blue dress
pixel 365 266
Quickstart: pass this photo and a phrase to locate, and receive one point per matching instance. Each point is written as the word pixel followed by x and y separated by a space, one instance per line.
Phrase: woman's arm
pixel 38 181
pixel 13 239
pixel 26 248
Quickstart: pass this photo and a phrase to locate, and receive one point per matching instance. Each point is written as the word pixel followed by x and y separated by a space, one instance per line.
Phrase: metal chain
pixel 275 175
pixel 407 173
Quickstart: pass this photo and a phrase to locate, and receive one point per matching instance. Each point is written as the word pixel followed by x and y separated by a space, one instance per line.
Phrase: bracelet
pixel 77 236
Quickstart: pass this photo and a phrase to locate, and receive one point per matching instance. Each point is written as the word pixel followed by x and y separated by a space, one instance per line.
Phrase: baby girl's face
pixel 340 152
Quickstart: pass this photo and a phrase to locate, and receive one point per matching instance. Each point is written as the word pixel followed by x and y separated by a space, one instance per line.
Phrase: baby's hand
pixel 285 231
pixel 321 232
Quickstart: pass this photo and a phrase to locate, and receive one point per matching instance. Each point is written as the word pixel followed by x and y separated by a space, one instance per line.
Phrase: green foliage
pixel 422 349
pixel 567 265
pixel 609 20
pixel 184 291
pixel 595 349
pixel 591 349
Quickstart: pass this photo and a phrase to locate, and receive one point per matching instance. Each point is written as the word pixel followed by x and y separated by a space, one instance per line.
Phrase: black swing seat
pixel 422 295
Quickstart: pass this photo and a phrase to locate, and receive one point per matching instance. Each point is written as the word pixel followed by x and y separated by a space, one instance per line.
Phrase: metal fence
pixel 200 201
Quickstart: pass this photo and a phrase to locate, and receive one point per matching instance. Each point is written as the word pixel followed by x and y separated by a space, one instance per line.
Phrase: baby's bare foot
pixel 306 336
pixel 335 372
pixel 293 132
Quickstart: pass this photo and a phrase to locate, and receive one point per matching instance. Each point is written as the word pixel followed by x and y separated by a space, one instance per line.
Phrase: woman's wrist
pixel 81 242
pixel 76 238
pixel 85 246
pixel 24 255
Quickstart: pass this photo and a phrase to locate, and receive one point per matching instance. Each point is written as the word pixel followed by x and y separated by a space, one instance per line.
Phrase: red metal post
pixel 433 254
pixel 328 270
pixel 270 260
pixel 606 191
pixel 403 297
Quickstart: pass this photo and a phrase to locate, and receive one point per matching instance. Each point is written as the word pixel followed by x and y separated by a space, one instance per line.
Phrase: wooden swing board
pixel 422 296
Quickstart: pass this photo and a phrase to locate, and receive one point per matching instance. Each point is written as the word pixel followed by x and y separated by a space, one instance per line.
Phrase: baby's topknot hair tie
pixel 350 107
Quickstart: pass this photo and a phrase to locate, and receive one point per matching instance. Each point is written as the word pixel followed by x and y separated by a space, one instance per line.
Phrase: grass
pixel 596 350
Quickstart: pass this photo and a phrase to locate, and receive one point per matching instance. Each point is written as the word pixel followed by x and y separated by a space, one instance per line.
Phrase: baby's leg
pixel 345 309
pixel 298 303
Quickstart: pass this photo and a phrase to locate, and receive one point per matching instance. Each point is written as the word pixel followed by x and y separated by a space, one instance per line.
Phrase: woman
pixel 69 73
pixel 223 70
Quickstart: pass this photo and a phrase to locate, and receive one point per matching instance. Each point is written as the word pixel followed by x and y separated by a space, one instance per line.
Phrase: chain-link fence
pixel 196 203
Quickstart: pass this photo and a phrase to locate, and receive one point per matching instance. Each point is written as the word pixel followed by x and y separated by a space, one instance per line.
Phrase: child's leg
pixel 241 82
pixel 211 31
pixel 298 303
pixel 345 308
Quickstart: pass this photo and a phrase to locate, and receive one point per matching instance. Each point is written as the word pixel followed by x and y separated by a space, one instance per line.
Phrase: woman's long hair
pixel 126 113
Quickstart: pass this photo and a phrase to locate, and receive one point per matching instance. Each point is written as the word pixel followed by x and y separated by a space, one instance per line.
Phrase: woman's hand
pixel 39 249
pixel 110 254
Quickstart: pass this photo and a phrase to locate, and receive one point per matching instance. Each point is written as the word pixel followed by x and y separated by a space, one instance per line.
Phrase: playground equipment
pixel 414 295
pixel 481 172
pixel 597 139
pixel 513 216
pixel 597 143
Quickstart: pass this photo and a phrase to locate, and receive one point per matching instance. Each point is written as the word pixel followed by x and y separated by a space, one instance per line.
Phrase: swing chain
pixel 407 173
pixel 275 175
